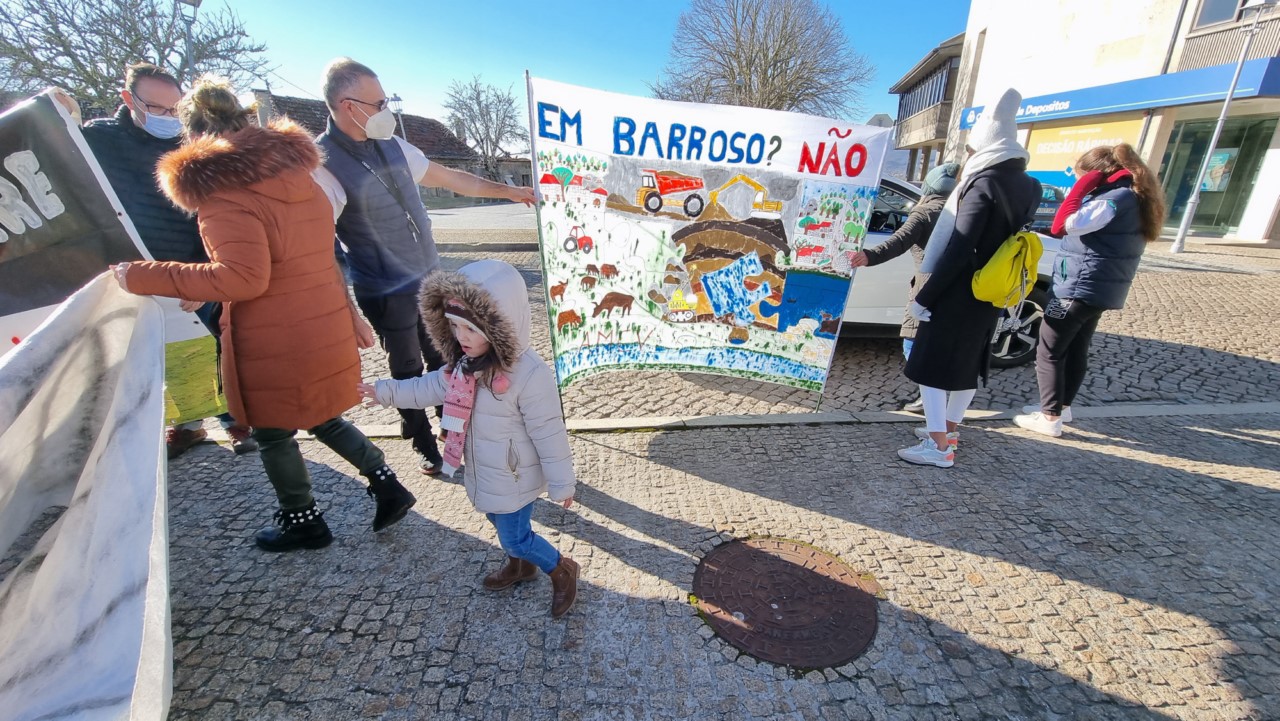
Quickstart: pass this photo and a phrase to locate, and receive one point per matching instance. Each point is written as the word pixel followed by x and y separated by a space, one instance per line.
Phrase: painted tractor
pixel 577 241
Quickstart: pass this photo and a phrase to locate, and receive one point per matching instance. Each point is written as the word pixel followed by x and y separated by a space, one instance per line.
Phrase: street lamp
pixel 397 107
pixel 188 19
pixel 1180 240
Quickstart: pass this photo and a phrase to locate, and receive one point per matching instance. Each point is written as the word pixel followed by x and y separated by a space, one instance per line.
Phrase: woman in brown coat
pixel 289 349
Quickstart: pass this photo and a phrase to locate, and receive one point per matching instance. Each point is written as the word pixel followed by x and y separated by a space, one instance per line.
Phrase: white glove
pixel 919 312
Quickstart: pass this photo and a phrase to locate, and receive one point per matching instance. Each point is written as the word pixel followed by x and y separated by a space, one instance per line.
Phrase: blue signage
pixel 1258 78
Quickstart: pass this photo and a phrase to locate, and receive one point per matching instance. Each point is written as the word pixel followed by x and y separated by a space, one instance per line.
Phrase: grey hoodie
pixel 517 447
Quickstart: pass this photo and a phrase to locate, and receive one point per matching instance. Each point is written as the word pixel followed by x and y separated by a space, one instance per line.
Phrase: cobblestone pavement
pixel 1187 335
pixel 1129 572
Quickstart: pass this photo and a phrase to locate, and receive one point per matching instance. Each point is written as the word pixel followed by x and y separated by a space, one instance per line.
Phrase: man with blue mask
pixel 127 146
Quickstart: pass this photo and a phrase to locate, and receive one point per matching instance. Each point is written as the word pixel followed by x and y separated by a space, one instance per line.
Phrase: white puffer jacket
pixel 517 447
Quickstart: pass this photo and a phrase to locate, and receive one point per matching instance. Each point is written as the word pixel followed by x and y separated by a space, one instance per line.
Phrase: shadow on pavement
pixel 396 626
pixel 1190 542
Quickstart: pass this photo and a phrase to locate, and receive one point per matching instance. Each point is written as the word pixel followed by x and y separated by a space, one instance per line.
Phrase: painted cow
pixel 612 300
pixel 567 319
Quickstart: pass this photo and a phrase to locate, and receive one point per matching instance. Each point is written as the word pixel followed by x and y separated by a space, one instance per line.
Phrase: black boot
pixel 298 528
pixel 394 500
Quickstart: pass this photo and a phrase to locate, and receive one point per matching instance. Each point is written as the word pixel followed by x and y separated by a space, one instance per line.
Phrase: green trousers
pixel 286 470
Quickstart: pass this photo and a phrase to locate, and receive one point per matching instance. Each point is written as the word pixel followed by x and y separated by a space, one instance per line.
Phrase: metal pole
pixel 1180 240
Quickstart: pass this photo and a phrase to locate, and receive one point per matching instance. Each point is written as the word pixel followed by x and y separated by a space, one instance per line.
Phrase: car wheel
pixel 1014 342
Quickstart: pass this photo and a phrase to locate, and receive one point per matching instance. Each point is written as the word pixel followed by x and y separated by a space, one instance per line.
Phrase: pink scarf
pixel 458 402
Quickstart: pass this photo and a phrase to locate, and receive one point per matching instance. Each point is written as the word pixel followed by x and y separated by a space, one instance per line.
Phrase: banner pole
pixel 537 214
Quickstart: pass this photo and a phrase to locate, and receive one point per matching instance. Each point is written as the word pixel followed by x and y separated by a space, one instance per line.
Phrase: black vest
pixel 384 253
pixel 128 156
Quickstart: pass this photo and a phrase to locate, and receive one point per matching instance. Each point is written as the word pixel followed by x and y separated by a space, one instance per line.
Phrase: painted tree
pixel 775 54
pixel 84 47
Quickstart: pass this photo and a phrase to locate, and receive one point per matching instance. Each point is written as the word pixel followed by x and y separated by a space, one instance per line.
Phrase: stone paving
pixel 1128 571
pixel 1185 336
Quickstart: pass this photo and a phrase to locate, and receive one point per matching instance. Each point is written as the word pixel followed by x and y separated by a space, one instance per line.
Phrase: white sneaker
pixel 1040 424
pixel 926 453
pixel 1035 408
pixel 953 438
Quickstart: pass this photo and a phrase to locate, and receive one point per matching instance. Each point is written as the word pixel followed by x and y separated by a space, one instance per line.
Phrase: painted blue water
pixel 732 360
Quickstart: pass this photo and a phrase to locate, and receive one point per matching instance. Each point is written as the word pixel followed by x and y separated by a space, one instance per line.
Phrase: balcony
pixel 927 126
pixel 1220 44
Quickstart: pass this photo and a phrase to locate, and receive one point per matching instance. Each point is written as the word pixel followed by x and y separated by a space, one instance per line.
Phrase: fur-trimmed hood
pixel 498 299
pixel 209 164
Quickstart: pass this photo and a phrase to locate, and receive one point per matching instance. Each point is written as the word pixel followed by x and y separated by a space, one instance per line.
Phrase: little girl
pixel 501 410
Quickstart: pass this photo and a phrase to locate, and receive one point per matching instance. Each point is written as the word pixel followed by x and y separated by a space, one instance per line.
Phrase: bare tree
pixel 84 46
pixel 487 119
pixel 775 54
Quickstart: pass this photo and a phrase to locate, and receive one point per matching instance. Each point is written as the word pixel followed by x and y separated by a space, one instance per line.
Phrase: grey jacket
pixel 912 236
pixel 517 447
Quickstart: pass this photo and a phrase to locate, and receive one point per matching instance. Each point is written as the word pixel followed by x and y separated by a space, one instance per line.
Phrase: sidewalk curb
pixel 484 247
pixel 690 423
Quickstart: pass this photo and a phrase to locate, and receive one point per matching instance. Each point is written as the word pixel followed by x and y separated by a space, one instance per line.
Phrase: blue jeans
pixel 515 534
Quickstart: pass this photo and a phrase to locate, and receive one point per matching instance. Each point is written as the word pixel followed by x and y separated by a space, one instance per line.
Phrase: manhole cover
pixel 786 602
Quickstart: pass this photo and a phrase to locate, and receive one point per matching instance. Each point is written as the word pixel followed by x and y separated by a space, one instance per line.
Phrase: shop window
pixel 1217 11
pixel 1233 168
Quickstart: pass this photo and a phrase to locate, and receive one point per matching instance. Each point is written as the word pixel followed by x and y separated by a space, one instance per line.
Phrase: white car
pixel 878 296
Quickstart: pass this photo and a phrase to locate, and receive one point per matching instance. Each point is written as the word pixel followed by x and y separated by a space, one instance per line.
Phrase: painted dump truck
pixel 661 188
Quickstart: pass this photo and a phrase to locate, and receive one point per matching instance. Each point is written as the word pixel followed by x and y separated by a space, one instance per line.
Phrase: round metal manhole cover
pixel 786 602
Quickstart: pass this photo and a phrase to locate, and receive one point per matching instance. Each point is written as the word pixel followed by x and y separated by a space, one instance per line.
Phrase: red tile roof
pixel 430 136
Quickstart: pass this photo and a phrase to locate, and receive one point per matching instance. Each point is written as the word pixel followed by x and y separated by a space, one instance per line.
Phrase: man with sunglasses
pixel 127 146
pixel 372 178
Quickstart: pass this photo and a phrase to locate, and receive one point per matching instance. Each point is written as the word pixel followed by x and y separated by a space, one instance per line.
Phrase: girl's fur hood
pixel 209 164
pixel 497 297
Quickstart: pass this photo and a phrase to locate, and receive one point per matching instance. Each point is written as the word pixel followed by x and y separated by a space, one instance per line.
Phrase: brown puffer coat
pixel 289 357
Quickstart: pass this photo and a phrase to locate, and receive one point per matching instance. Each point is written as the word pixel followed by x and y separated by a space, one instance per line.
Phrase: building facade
pixel 926 96
pixel 1153 74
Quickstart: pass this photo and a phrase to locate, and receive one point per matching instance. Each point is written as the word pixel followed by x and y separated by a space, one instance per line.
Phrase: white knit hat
pixel 997 122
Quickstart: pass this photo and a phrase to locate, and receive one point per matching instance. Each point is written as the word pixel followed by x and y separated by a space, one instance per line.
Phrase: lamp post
pixel 397 106
pixel 1258 6
pixel 188 19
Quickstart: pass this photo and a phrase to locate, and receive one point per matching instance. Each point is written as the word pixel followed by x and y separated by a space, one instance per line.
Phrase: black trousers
pixel 398 322
pixel 1062 358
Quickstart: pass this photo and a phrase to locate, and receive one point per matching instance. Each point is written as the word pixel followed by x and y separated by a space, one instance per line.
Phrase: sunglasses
pixel 378 106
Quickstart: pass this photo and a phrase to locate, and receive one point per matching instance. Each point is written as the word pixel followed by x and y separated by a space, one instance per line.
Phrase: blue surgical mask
pixel 162 126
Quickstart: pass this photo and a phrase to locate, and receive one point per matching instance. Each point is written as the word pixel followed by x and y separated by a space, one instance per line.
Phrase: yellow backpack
pixel 1010 274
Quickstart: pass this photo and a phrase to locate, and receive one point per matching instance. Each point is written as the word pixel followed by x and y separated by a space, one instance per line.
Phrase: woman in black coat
pixel 995 198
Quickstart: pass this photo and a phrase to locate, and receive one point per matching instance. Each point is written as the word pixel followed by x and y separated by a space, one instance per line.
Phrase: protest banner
pixel 681 236
pixel 61 225
pixel 84 592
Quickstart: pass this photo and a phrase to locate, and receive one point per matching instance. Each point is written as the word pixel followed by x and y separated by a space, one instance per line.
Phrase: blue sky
pixel 418 48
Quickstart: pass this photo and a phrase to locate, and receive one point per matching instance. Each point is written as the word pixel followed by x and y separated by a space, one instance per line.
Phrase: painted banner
pixel 1055 149
pixel 84 589
pixel 61 225
pixel 688 237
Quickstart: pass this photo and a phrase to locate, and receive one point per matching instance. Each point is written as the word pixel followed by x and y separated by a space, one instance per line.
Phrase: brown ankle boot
pixel 564 586
pixel 514 571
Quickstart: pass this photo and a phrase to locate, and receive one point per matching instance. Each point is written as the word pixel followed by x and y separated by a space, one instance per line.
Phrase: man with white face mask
pixel 127 146
pixel 372 178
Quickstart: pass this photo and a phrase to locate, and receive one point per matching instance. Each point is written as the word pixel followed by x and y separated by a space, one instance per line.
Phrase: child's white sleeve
pixel 539 403
pixel 421 392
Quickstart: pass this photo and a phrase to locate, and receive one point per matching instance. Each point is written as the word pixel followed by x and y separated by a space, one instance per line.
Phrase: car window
pixel 890 200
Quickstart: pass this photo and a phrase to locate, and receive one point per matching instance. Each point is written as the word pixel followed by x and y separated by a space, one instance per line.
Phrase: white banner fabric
pixel 84 602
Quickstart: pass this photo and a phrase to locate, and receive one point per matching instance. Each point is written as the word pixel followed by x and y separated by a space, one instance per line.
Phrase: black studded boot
pixel 394 500
pixel 295 528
